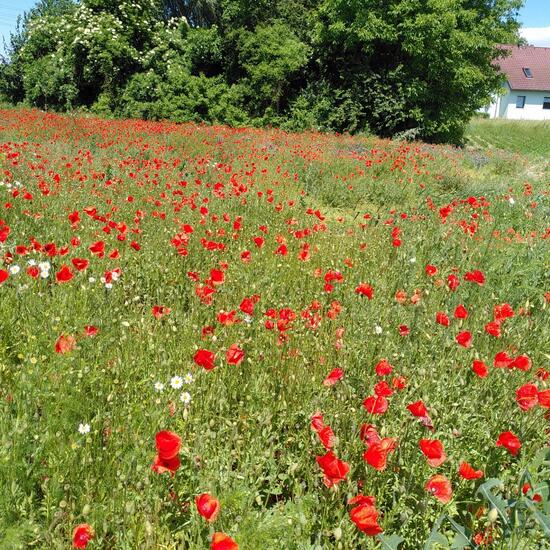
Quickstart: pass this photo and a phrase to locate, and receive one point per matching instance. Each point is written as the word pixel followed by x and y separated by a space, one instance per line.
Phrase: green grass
pixel 246 435
pixel 514 136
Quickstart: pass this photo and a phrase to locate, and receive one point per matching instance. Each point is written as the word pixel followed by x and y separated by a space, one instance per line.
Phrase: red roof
pixel 526 57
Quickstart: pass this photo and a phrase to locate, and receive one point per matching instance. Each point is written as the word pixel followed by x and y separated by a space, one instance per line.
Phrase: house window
pixel 546 103
pixel 520 102
pixel 527 72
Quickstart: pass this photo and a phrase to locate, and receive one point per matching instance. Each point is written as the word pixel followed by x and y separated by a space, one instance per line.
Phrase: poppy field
pixel 242 338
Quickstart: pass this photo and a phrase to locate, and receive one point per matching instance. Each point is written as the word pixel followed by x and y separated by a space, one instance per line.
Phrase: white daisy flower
pixel 378 329
pixel 108 286
pixel 91 280
pixel 45 273
pixel 44 266
pixel 31 262
pixel 14 269
pixel 83 428
pixel 185 397
pixel 159 386
pixel 176 382
pixel 188 378
pixel 511 201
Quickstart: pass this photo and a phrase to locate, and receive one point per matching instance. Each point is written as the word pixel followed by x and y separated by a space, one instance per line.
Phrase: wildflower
pixel 83 429
pixel 440 487
pixel 365 515
pixel 159 386
pixel 65 344
pixel 176 382
pixel 510 442
pixel 432 449
pixel 333 377
pixel 82 534
pixel 204 358
pixel 467 472
pixel 334 469
pixel 221 541
pixel 207 506
pixel 168 446
pixel 185 398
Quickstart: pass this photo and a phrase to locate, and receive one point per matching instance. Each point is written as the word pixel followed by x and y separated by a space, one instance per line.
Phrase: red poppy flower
pixel 90 331
pixel 97 248
pixel 544 398
pixel 383 368
pixel 82 535
pixel 234 355
pixel 204 358
pixel 493 329
pixel 440 487
pixel 160 311
pixel 80 264
pixel 382 389
pixel 64 274
pixel 368 434
pixel 377 453
pixel 335 375
pixel 65 344
pixel 317 421
pixel 527 396
pixel 3 275
pixel 399 382
pixel 502 311
pixel 475 276
pixel 376 404
pixel 467 472
pixel 221 541
pixel 168 444
pixel 162 465
pixel 442 319
pixel 431 270
pixel 480 368
pixel 365 516
pixel 334 469
pixel 453 281
pixel 461 312
pixel 502 359
pixel 521 362
pixel 404 330
pixel 510 442
pixel 418 409
pixel 327 437
pixel 207 506
pixel 365 290
pixel 464 339
pixel 433 451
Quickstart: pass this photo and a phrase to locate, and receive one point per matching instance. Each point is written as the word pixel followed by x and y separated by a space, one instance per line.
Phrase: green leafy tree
pixel 432 59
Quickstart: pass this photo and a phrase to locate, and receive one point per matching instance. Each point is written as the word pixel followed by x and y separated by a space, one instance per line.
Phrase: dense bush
pixel 402 67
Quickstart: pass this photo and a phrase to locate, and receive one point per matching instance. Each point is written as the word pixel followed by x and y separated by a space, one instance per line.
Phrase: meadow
pixel 216 337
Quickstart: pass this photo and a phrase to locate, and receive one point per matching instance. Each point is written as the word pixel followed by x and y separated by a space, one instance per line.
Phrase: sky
pixel 535 19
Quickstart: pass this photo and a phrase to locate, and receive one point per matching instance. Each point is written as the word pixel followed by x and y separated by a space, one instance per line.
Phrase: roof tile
pixel 535 58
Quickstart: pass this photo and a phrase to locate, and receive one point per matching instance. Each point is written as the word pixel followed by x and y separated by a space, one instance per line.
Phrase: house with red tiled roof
pixel 526 93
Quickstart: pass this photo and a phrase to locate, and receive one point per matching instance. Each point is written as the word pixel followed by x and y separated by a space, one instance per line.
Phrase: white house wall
pixel 504 106
pixel 531 111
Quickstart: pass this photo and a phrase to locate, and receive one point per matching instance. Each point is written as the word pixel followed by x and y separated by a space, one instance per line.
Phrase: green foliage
pixel 398 68
pixel 518 517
